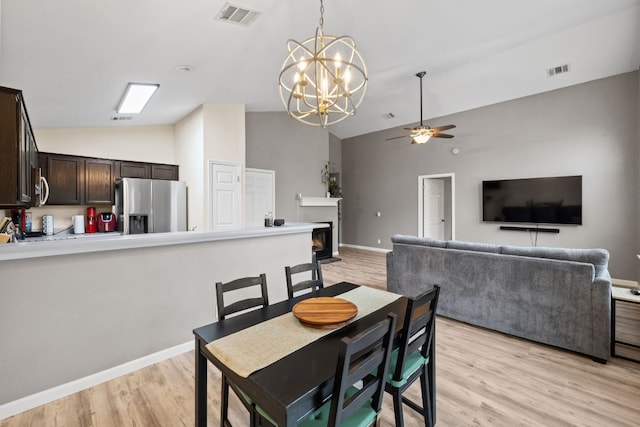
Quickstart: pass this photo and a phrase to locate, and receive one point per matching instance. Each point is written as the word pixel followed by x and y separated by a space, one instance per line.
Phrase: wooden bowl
pixel 324 312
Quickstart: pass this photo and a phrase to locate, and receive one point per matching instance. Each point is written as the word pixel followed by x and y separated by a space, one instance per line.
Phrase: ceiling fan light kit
pixel 422 134
pixel 323 79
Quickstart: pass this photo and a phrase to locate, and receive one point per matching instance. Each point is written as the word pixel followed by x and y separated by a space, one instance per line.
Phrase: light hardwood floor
pixel 484 378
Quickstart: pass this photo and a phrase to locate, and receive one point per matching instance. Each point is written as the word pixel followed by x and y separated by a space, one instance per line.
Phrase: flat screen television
pixel 551 200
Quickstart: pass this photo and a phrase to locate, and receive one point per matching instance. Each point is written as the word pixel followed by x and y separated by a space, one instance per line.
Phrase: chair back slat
pixel 244 304
pixel 365 358
pixel 314 284
pixel 418 328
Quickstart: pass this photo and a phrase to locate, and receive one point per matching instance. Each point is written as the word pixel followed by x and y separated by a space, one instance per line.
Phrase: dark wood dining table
pixel 296 385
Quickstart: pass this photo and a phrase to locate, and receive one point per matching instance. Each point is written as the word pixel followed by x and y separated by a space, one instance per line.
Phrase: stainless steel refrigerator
pixel 151 205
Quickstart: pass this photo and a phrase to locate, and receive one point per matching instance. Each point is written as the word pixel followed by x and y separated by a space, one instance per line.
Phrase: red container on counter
pixel 92 220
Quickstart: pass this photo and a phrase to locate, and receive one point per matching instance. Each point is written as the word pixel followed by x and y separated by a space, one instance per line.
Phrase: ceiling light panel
pixel 135 97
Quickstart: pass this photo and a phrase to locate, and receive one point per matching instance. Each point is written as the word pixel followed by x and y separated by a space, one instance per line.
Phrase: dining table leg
pixel 200 387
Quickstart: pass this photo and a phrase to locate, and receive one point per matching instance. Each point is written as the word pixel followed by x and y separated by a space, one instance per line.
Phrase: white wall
pixel 189 146
pixel 224 141
pixel 153 144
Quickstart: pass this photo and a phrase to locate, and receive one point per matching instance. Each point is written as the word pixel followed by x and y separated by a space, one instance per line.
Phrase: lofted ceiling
pixel 73 58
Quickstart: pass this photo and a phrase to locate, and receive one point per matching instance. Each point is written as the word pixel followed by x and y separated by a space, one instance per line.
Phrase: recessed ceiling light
pixel 184 68
pixel 136 97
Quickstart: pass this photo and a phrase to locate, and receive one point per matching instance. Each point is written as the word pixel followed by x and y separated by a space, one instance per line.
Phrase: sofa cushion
pixel 421 241
pixel 470 246
pixel 599 258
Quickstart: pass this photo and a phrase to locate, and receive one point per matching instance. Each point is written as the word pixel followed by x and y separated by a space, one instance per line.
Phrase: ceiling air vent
pixel 560 69
pixel 388 116
pixel 120 118
pixel 237 14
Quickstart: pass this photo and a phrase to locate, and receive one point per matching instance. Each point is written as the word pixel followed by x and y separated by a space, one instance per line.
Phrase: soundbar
pixel 536 229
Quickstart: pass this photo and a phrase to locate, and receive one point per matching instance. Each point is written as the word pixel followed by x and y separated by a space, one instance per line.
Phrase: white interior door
pixel 259 195
pixel 225 195
pixel 433 198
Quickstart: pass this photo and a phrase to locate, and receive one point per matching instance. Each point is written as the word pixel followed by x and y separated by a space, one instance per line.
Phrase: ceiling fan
pixel 422 134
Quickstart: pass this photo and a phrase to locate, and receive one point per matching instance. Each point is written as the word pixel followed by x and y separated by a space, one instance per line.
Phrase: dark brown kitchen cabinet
pixel 18 151
pixel 128 169
pixel 135 170
pixel 66 178
pixel 168 172
pixel 99 181
pixel 75 180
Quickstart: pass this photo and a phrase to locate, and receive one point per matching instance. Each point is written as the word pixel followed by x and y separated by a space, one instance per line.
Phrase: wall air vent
pixel 120 118
pixel 560 69
pixel 235 14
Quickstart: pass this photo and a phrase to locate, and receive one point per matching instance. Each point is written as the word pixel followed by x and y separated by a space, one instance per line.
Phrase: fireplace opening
pixel 322 241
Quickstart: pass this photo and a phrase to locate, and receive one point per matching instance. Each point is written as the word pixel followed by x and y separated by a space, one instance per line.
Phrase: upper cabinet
pixel 168 172
pixel 66 178
pixel 135 170
pixel 99 181
pixel 126 169
pixel 76 180
pixel 18 152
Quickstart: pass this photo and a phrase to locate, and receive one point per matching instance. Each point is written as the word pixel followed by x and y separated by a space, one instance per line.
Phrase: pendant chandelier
pixel 323 79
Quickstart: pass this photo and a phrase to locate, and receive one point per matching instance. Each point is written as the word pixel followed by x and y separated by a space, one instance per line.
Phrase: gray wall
pixel 297 153
pixel 589 129
pixel 335 157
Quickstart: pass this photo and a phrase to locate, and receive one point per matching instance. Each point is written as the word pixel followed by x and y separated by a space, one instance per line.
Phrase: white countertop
pixel 113 241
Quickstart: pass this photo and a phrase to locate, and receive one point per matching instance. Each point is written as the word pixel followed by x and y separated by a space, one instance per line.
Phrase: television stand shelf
pixel 536 229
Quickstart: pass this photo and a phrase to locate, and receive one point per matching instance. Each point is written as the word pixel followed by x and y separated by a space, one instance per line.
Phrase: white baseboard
pixel 366 248
pixel 29 402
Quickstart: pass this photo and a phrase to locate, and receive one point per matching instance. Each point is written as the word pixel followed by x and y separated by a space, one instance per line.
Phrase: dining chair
pixel 358 387
pixel 244 304
pixel 410 360
pixel 314 283
pixel 223 312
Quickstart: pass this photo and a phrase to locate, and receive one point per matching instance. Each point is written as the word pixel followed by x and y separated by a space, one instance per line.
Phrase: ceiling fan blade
pixel 397 137
pixel 441 135
pixel 410 129
pixel 445 127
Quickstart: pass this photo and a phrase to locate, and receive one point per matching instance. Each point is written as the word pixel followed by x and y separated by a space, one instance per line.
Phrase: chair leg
pixel 224 403
pixel 397 407
pixel 427 408
pixel 426 398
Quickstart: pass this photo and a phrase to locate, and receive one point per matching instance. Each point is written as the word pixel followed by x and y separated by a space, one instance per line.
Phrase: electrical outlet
pixel 378 241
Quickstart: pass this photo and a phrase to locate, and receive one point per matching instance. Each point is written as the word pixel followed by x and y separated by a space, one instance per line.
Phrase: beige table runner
pixel 259 346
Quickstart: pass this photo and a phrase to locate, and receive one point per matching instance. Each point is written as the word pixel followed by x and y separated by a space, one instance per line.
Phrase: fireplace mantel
pixel 318 201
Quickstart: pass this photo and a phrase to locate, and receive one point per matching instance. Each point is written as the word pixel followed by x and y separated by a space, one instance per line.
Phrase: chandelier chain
pixel 321 13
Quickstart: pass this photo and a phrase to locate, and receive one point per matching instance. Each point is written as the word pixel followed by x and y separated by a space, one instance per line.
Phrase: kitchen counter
pixel 76 244
pixel 80 311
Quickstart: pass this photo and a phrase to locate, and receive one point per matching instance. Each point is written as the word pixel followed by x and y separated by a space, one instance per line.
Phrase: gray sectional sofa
pixel 560 297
